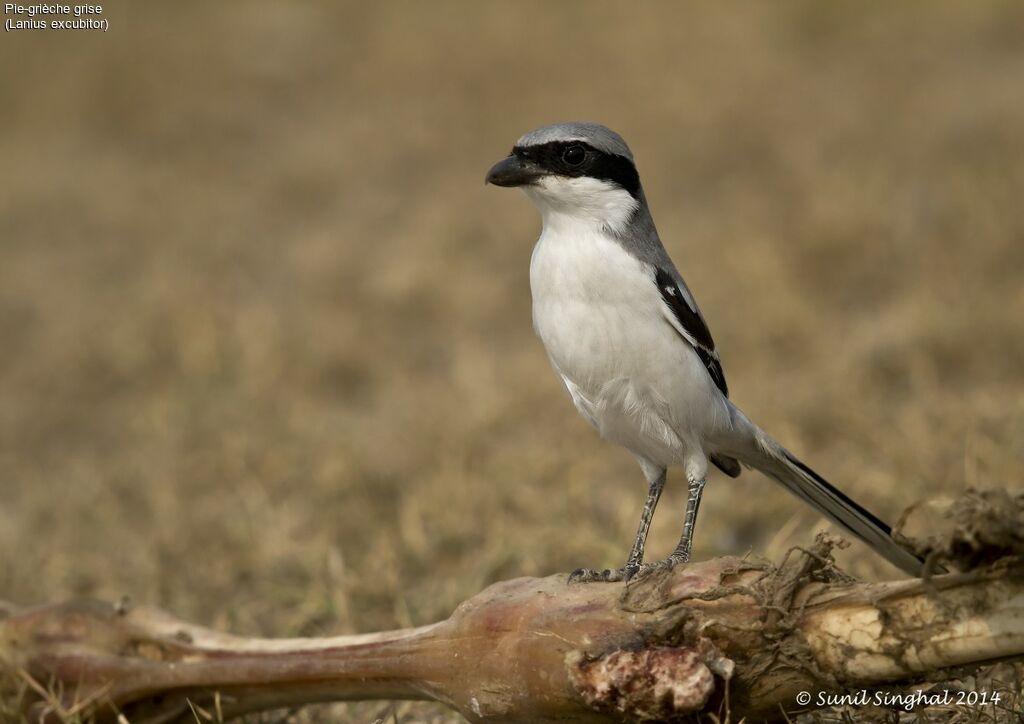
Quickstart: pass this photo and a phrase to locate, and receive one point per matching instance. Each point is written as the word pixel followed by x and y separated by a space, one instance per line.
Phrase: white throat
pixel 574 203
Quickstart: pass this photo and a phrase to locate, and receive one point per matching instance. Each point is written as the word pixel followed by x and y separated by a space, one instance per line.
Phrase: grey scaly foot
pixel 636 555
pixel 608 575
pixel 663 565
pixel 682 551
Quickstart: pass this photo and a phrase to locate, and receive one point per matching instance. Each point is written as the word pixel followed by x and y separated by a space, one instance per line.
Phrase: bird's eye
pixel 574 155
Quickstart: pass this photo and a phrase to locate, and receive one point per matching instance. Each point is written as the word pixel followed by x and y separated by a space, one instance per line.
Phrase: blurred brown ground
pixel 267 359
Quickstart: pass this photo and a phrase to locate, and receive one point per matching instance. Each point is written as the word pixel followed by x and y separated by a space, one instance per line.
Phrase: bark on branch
pixel 531 649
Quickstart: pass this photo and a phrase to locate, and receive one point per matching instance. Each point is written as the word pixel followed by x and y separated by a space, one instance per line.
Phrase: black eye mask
pixel 560 158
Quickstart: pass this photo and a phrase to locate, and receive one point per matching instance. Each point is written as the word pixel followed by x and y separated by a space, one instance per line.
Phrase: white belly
pixel 600 316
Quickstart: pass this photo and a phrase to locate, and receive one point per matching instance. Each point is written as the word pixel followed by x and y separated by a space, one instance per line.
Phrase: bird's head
pixel 574 172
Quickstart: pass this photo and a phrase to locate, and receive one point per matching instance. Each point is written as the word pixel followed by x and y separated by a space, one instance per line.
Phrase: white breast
pixel 601 318
pixel 591 304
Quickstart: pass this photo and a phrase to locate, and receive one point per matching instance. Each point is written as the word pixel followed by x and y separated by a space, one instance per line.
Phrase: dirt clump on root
pixel 975 529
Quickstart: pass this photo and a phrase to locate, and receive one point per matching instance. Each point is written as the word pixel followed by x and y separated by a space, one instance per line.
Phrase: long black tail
pixel 782 466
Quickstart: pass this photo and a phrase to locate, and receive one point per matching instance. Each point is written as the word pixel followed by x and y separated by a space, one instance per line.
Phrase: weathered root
pixel 663 646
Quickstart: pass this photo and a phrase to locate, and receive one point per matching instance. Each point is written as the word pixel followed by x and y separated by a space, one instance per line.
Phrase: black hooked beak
pixel 513 171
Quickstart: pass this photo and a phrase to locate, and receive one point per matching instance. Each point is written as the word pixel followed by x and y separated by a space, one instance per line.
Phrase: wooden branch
pixel 544 650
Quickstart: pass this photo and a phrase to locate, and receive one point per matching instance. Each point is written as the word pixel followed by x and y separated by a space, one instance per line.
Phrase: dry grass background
pixel 266 349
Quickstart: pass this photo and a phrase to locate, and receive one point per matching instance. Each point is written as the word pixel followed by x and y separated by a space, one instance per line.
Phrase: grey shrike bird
pixel 625 336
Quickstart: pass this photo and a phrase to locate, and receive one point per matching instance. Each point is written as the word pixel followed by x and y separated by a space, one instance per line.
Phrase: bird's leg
pixel 636 555
pixel 682 552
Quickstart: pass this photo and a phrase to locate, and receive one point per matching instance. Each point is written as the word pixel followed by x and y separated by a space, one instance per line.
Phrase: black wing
pixel 694 328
